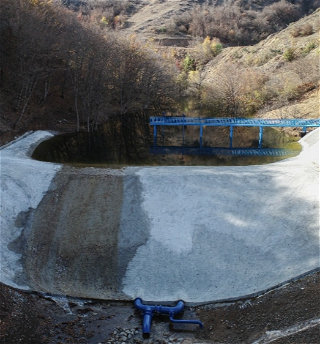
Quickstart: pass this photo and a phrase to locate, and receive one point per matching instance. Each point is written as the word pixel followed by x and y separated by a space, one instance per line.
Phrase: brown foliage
pixel 47 53
pixel 233 24
pixel 303 30
pixel 236 92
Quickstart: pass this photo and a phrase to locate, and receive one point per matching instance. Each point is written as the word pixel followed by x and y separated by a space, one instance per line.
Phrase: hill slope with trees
pixel 60 73
pixel 72 65
pixel 232 21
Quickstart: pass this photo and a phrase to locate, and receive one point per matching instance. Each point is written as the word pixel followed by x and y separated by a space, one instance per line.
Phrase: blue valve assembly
pixel 149 310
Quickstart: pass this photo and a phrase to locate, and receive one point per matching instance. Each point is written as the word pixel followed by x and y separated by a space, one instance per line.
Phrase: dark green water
pixel 81 149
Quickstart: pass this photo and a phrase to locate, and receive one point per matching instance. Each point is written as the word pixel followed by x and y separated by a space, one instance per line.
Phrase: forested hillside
pixel 57 71
pixel 232 21
pixel 278 77
pixel 71 65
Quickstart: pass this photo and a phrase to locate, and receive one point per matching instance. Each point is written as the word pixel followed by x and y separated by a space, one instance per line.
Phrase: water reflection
pixel 83 149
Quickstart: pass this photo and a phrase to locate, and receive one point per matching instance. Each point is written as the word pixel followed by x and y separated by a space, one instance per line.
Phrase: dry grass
pixel 293 84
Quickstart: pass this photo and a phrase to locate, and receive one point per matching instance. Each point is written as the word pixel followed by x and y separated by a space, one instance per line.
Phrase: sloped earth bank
pixel 288 315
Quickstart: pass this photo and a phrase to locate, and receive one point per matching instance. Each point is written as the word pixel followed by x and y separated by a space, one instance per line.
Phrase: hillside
pixel 158 19
pixel 156 14
pixel 159 16
pixel 292 80
pixel 280 73
pixel 277 77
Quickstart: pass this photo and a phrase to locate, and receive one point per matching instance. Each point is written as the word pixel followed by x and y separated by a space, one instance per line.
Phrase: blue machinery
pixel 231 122
pixel 149 310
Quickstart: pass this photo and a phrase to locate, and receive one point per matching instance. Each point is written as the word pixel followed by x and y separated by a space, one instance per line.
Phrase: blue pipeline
pixel 149 310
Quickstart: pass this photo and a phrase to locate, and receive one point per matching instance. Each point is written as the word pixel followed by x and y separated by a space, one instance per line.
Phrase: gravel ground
pixel 290 314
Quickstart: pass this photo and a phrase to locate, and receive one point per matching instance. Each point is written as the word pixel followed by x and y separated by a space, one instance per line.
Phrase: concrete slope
pixel 164 233
pixel 23 183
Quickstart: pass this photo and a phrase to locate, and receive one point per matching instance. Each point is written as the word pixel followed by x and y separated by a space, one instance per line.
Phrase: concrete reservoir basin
pixel 198 234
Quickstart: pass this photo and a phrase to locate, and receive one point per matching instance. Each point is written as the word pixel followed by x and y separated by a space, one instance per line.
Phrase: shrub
pixel 307 30
pixel 104 21
pixel 289 54
pixel 305 87
pixel 280 14
pixel 289 92
pixel 237 55
pixel 236 92
pixel 310 46
pixel 295 32
pixel 263 59
pixel 303 30
pixel 207 50
pixel 215 47
pixel 162 29
pixel 183 21
pixel 188 64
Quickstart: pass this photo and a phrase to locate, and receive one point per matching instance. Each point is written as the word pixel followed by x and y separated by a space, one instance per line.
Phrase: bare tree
pixel 31 52
pixel 235 91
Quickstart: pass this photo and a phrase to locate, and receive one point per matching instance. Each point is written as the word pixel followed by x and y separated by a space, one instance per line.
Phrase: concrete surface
pixel 160 233
pixel 23 183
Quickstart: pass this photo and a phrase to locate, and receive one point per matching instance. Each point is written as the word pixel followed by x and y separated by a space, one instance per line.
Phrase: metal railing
pixel 235 121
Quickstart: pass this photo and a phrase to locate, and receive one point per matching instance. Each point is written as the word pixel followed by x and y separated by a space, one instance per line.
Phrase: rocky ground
pixel 289 314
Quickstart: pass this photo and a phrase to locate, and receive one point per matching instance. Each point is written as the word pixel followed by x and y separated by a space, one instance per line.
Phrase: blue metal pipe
pixel 146 325
pixel 230 136
pixel 260 137
pixel 186 321
pixel 148 310
pixel 155 136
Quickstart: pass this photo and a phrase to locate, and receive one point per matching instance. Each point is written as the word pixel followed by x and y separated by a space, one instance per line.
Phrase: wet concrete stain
pixel 135 225
pixel 72 247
